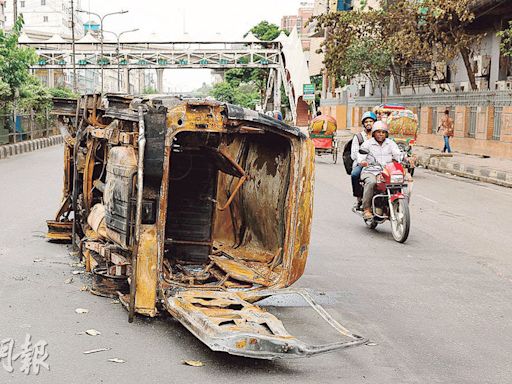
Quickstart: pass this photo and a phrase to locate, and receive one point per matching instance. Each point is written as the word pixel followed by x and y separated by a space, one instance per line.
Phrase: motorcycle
pixel 390 200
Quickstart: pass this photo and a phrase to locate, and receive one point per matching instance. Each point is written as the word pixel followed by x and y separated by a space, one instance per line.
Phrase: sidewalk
pixel 489 170
pixel 8 150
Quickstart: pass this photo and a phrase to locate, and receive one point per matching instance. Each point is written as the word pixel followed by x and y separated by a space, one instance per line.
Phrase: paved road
pixel 437 308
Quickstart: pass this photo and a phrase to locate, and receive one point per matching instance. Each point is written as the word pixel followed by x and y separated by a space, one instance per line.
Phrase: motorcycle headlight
pixel 397 179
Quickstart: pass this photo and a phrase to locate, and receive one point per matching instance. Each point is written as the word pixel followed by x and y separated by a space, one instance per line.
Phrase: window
pixel 43 2
pixel 22 4
pixel 45 19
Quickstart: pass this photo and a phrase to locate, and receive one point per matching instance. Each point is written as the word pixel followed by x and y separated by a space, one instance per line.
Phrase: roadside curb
pixel 445 165
pixel 29 146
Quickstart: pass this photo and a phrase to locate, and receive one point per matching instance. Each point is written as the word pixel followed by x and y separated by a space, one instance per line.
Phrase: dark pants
pixel 357 191
pixel 446 147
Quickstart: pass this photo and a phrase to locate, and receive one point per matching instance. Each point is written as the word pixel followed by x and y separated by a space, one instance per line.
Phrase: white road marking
pixel 426 198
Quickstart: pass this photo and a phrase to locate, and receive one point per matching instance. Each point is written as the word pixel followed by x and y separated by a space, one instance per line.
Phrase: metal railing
pixel 496 132
pixel 25 126
pixel 434 123
pixel 496 98
pixel 472 122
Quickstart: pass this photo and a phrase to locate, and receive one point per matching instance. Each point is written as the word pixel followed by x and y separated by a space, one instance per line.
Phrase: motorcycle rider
pixel 381 151
pixel 367 121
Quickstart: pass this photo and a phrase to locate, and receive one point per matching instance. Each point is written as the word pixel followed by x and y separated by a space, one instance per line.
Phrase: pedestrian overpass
pixel 283 57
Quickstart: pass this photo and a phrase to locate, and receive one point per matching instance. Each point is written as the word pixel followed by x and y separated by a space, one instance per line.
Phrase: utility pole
pixel 73 56
pixel 101 37
pixel 118 50
pixel 15 10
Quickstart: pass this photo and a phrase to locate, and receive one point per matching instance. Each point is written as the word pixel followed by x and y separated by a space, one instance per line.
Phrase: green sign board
pixel 308 92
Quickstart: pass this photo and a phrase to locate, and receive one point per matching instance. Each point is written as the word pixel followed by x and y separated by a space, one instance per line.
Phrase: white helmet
pixel 380 126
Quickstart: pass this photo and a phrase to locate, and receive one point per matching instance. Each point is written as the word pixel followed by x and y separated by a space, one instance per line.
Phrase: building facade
pixel 299 22
pixel 51 17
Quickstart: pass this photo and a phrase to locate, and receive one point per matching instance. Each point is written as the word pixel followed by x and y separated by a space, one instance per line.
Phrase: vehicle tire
pixel 402 223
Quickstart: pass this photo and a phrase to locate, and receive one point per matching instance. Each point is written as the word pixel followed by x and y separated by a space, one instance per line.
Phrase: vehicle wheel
pixel 402 223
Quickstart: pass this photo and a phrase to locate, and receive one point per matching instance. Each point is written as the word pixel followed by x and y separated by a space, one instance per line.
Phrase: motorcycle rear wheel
pixel 401 225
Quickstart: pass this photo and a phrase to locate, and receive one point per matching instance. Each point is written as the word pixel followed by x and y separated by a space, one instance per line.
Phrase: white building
pixel 47 16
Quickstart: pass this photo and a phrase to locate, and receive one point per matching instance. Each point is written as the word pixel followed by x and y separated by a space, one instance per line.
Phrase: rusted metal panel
pixel 225 322
pixel 121 170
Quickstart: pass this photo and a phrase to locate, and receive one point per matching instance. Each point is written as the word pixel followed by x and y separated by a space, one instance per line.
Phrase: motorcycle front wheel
pixel 402 223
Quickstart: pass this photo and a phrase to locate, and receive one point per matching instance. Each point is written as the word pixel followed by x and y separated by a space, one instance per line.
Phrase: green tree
pixel 405 32
pixel 506 40
pixel 224 92
pixel 266 31
pixel 15 60
pixel 62 92
pixel 150 90
pixel 243 94
pixel 258 76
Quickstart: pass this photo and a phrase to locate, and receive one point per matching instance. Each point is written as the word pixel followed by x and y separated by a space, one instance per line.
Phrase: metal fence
pixel 480 98
pixel 25 126
pixel 496 132
pixel 434 123
pixel 472 121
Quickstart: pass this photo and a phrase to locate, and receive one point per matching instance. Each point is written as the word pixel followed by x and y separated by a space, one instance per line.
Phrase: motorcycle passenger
pixel 366 134
pixel 381 151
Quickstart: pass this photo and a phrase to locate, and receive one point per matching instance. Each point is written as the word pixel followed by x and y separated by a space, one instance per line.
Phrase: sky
pixel 170 19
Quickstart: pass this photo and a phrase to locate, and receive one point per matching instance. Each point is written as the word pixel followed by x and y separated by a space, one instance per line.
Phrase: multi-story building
pixel 299 22
pixel 46 16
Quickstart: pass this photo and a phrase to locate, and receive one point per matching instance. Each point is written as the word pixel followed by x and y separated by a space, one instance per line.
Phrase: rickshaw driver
pixel 383 150
pixel 368 119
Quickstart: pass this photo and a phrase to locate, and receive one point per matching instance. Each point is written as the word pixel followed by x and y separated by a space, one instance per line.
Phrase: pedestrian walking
pixel 447 127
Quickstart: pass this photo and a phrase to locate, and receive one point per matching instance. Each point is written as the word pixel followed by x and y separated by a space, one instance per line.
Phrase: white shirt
pixel 354 149
pixel 383 154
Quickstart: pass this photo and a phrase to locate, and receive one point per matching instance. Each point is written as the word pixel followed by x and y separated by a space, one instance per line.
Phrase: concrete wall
pixel 482 144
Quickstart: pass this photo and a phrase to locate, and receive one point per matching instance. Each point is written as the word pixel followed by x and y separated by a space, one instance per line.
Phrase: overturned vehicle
pixel 195 208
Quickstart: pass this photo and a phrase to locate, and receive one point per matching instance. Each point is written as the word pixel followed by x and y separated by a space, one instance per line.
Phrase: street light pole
pixel 73 56
pixel 118 49
pixel 101 36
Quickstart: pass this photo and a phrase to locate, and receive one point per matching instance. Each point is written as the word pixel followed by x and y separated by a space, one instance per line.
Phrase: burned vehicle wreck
pixel 196 208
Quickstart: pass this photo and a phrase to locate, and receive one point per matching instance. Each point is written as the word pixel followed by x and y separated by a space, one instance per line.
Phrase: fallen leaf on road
pixel 84 288
pixel 115 302
pixel 77 272
pixel 37 260
pixel 116 360
pixel 81 310
pixel 193 363
pixel 68 281
pixel 96 350
pixel 371 344
pixel 92 332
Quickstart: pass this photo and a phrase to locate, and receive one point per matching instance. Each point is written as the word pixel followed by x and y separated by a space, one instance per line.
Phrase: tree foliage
pixel 266 31
pixel 243 94
pixel 254 78
pixel 15 60
pixel 402 32
pixel 506 40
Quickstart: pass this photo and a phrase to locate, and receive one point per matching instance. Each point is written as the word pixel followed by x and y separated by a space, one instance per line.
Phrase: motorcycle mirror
pixel 363 151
